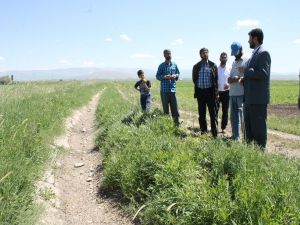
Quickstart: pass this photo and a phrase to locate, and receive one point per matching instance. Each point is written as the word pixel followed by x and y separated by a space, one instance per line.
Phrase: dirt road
pixel 70 185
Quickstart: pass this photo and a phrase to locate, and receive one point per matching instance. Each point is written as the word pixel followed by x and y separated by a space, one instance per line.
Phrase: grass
pixel 31 114
pixel 282 92
pixel 179 179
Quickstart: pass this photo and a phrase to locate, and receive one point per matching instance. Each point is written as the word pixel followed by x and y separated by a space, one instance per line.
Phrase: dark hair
pixel 140 72
pixel 202 50
pixel 167 50
pixel 257 32
pixel 223 53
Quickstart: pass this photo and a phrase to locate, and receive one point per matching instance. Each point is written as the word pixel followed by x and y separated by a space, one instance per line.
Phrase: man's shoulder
pixel 211 63
pixel 162 64
pixel 197 64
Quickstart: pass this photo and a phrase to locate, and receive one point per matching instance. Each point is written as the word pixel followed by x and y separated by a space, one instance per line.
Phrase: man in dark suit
pixel 205 78
pixel 257 90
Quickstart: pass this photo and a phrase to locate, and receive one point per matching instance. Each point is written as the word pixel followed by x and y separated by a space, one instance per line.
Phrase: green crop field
pixel 177 177
pixel 170 177
pixel 30 115
pixel 282 93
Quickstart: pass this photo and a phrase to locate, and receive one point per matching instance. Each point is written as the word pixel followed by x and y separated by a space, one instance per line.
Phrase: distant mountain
pixel 69 74
pixel 107 74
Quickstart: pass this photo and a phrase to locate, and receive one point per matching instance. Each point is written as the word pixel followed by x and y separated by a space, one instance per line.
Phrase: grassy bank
pixel 31 114
pixel 175 178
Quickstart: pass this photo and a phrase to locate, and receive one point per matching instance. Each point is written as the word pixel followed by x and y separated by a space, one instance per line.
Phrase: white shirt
pixel 223 74
pixel 253 53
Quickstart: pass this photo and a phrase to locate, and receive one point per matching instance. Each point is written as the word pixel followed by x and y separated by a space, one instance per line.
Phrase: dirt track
pixel 74 178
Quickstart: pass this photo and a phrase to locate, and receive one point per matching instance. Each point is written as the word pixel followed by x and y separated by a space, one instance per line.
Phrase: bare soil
pixel 284 110
pixel 69 189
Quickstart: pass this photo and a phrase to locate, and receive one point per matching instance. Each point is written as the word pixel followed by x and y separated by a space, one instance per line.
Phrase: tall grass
pixel 175 178
pixel 31 114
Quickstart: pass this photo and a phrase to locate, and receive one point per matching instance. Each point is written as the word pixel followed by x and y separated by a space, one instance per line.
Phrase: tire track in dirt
pixel 74 179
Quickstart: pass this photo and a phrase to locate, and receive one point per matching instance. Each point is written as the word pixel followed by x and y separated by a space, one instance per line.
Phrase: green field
pixel 282 92
pixel 31 114
pixel 177 178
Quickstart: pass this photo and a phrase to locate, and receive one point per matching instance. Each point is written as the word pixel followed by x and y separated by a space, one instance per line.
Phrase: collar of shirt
pixel 256 49
pixel 169 64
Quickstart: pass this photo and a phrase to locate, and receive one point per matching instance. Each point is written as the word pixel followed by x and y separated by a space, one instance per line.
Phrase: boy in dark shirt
pixel 143 86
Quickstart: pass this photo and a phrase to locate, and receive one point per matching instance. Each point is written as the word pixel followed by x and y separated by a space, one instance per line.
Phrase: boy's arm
pixel 136 85
pixel 148 84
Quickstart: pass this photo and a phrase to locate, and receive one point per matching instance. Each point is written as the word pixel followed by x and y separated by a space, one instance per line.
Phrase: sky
pixel 55 34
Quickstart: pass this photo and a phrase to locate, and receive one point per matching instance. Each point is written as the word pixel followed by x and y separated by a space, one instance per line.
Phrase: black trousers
pixel 255 117
pixel 224 100
pixel 206 97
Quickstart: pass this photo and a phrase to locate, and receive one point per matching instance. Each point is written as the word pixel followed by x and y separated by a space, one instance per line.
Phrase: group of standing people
pixel 245 90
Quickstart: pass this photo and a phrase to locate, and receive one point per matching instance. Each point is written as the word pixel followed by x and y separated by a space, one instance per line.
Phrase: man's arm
pixel 263 69
pixel 194 74
pixel 159 75
pixel 177 73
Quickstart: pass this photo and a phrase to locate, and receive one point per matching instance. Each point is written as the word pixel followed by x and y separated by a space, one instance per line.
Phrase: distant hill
pixel 106 74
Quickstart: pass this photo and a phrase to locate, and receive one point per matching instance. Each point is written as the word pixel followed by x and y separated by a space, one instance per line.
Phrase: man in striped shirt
pixel 205 78
pixel 168 74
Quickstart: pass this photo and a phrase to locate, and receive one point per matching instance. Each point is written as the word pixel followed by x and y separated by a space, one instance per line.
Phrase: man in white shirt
pixel 223 88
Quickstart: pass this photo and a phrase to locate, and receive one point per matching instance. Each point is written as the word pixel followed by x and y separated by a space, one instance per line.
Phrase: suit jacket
pixel 257 78
pixel 214 77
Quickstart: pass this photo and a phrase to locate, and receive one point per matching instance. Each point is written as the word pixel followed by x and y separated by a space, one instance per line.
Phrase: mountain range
pixel 105 74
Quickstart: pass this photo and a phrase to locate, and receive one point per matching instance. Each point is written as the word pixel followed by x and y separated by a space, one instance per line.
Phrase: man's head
pixel 204 54
pixel 141 74
pixel 256 37
pixel 223 58
pixel 236 50
pixel 167 54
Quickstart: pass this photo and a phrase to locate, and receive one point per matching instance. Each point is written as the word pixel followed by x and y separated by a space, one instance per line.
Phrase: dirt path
pixel 71 184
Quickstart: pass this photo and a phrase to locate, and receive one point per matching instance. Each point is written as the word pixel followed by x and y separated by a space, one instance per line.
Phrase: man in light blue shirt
pixel 236 91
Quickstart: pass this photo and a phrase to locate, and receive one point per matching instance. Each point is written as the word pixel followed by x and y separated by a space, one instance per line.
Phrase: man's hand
pixel 167 77
pixel 242 69
pixel 226 87
pixel 173 77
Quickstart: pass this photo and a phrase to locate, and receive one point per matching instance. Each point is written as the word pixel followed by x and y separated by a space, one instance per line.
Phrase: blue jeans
pixel 236 115
pixel 146 102
pixel 169 98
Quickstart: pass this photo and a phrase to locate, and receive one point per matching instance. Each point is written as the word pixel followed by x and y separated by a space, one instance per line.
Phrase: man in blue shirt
pixel 205 78
pixel 168 74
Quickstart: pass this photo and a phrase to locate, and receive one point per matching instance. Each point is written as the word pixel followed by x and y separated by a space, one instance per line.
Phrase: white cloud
pixel 108 39
pixel 88 63
pixel 178 41
pixel 297 41
pixel 65 62
pixel 125 37
pixel 246 23
pixel 2 58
